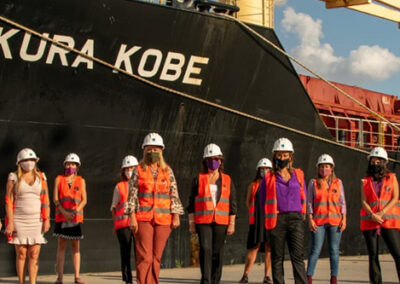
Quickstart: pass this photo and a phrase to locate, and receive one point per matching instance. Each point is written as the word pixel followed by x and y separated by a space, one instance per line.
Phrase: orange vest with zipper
pixel 391 219
pixel 154 196
pixel 120 219
pixel 69 198
pixel 205 211
pixel 271 204
pixel 254 187
pixel 326 206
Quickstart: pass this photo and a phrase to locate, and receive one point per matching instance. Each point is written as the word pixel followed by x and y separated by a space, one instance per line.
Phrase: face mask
pixel 152 157
pixel 213 164
pixel 325 172
pixel 281 164
pixel 27 165
pixel 128 174
pixel 70 171
pixel 376 169
pixel 263 173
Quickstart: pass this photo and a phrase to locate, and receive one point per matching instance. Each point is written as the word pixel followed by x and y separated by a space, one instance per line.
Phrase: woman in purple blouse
pixel 283 192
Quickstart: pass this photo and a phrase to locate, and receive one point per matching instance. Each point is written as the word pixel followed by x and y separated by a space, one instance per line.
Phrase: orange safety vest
pixel 326 206
pixel 44 203
pixel 154 196
pixel 271 204
pixel 392 217
pixel 120 219
pixel 254 186
pixel 69 198
pixel 205 211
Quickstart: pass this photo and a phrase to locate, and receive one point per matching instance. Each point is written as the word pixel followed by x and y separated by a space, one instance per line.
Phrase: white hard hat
pixel 129 161
pixel 212 150
pixel 153 139
pixel 283 144
pixel 26 154
pixel 325 159
pixel 264 163
pixel 378 152
pixel 72 158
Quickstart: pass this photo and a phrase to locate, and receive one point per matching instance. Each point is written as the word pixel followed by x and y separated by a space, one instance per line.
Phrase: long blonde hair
pixel 19 173
pixel 161 163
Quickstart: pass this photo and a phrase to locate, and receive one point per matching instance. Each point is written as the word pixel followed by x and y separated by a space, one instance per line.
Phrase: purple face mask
pixel 70 171
pixel 213 164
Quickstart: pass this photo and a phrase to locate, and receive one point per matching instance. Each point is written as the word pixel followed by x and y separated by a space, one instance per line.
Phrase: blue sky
pixel 343 45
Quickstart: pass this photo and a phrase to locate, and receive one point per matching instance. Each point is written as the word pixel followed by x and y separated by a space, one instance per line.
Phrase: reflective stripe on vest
pixel 205 211
pixel 391 220
pixel 69 198
pixel 254 188
pixel 326 206
pixel 271 205
pixel 120 219
pixel 154 196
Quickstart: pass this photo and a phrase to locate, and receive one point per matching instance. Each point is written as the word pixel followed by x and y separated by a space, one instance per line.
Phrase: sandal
pixel 244 279
pixel 58 281
pixel 79 281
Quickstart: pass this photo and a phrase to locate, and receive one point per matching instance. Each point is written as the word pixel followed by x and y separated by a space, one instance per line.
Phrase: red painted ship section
pixel 348 122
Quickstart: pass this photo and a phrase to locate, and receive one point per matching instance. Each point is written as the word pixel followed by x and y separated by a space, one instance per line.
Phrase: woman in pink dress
pixel 27 208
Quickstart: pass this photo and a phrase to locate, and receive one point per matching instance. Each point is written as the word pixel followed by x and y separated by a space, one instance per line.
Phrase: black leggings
pixel 125 239
pixel 392 240
pixel 212 239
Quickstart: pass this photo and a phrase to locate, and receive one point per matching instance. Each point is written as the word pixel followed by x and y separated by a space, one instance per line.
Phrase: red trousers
pixel 150 241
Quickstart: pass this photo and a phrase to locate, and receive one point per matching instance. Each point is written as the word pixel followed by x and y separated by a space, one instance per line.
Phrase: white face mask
pixel 128 174
pixel 27 165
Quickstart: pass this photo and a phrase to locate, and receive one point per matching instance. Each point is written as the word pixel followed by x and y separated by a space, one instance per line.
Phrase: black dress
pixel 257 233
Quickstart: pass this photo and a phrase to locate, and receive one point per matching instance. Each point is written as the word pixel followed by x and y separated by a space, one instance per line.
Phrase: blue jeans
pixel 317 240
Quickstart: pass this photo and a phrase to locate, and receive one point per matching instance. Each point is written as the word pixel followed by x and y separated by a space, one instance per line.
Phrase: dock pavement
pixel 352 270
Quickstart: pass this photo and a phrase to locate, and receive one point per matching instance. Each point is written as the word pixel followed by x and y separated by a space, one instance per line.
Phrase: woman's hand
pixel 175 221
pixel 377 218
pixel 231 229
pixel 311 225
pixel 46 226
pixel 192 227
pixel 9 229
pixel 133 225
pixel 342 225
pixel 68 215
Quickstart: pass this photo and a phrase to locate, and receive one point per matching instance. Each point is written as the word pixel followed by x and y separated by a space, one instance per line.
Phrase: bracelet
pixel 232 223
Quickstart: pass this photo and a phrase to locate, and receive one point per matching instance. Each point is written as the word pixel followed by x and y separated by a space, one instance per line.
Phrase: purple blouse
pixel 377 185
pixel 287 194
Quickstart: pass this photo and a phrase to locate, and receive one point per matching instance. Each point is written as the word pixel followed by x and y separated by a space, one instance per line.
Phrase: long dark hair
pixel 384 171
pixel 205 168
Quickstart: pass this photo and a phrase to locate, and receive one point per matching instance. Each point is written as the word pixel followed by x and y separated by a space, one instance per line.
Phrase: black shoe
pixel 267 280
pixel 244 279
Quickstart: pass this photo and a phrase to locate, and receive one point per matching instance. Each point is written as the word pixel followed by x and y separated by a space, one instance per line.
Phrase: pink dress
pixel 27 221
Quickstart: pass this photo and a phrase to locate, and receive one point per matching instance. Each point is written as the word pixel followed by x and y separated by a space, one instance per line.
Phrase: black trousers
pixel 392 240
pixel 125 239
pixel 212 240
pixel 289 229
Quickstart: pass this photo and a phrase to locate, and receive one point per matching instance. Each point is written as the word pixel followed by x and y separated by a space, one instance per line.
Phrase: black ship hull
pixel 57 102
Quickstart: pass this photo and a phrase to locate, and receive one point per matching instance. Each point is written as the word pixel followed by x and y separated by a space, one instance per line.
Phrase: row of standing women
pixel 146 206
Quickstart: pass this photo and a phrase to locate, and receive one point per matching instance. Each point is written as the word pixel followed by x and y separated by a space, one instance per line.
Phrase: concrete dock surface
pixel 353 269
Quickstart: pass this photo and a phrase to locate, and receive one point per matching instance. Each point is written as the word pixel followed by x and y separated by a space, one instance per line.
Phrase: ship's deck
pixel 353 269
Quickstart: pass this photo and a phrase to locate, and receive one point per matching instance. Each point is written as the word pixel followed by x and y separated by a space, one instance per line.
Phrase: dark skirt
pixel 257 232
pixel 71 233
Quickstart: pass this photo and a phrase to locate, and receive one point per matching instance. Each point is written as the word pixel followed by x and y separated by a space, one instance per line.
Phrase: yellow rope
pixel 191 97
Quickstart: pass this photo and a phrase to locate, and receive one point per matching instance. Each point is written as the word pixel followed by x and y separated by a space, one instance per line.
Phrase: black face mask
pixel 281 164
pixel 376 169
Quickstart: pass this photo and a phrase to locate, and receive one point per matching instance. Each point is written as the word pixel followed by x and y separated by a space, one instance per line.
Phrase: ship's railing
pixel 362 133
pixel 217 6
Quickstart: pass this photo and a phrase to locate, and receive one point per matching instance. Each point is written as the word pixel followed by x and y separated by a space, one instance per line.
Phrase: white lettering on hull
pixel 148 63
